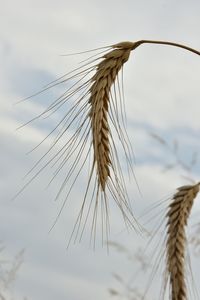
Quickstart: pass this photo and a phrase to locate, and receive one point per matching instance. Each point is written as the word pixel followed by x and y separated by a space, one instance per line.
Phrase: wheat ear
pixel 94 107
pixel 178 214
pixel 105 76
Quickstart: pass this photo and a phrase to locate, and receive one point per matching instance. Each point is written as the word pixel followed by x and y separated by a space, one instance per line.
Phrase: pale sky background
pixel 162 96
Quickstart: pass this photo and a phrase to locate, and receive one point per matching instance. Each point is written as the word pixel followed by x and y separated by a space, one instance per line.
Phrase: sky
pixel 161 88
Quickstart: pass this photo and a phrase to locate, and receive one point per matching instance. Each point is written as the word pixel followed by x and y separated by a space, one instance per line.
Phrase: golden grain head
pixel 100 98
pixel 178 214
pixel 89 136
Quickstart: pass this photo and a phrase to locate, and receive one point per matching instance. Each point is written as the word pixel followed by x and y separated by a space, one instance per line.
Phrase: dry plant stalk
pixel 178 214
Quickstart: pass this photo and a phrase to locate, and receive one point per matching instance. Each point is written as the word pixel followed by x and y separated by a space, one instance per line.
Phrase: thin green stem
pixel 138 43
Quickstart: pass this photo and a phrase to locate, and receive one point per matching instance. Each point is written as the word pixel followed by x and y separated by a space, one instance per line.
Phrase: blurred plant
pixel 194 239
pixel 128 288
pixel 173 148
pixel 8 273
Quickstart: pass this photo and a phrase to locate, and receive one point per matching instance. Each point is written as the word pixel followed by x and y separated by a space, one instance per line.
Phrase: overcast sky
pixel 162 96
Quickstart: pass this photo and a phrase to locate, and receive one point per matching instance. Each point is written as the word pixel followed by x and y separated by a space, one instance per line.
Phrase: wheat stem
pixel 140 42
